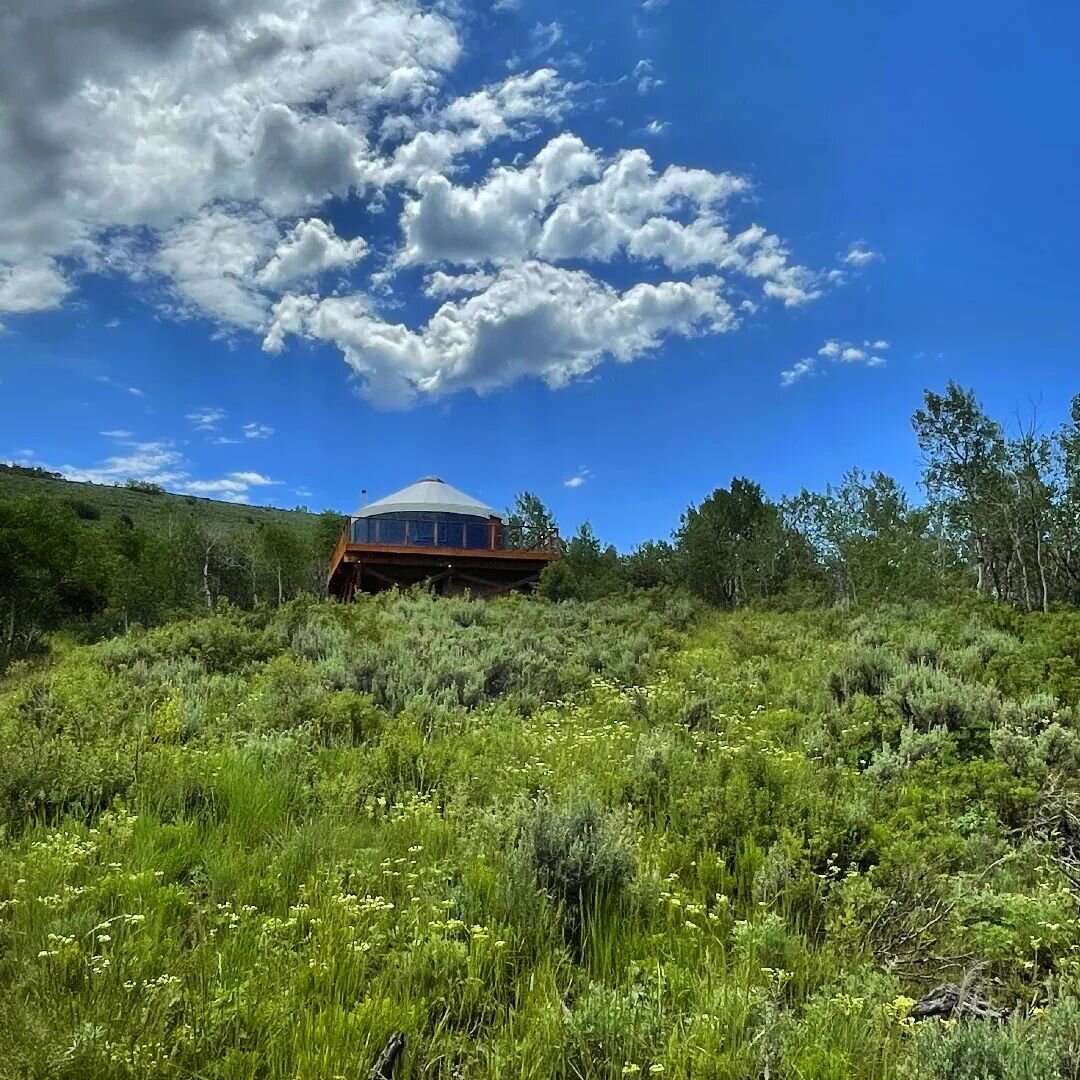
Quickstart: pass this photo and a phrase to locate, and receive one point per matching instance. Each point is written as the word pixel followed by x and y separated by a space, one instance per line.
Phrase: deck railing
pixel 426 533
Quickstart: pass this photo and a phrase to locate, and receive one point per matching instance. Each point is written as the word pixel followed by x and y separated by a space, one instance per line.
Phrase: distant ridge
pixel 149 508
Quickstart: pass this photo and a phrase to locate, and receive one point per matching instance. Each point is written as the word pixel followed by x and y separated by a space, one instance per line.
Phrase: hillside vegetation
pixel 621 838
pixel 141 504
pixel 92 560
pixel 725 806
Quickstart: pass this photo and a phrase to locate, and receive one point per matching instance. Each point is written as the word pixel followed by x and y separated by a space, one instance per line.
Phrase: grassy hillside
pixel 544 841
pixel 149 508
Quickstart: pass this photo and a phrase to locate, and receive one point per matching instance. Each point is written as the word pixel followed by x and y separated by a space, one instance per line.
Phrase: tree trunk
pixel 206 578
pixel 1041 562
pixel 1018 551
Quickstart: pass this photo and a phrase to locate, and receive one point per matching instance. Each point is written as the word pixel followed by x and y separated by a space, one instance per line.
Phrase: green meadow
pixel 586 840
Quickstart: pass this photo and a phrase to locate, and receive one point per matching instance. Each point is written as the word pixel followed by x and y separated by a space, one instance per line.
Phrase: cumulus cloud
pixel 836 351
pixel 442 284
pixel 158 462
pixel 134 114
pixel 310 249
pixel 36 285
pixel 645 78
pixel 567 203
pixel 155 462
pixel 234 487
pixel 578 478
pixel 258 431
pixel 798 370
pixel 534 320
pixel 860 255
pixel 209 151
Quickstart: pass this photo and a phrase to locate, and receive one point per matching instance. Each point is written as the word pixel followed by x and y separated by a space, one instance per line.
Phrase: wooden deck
pixel 373 567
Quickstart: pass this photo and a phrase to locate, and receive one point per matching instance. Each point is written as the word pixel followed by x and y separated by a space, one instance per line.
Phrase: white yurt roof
pixel 429 495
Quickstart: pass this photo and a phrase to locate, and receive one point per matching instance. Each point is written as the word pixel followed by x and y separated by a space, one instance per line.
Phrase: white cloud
pixel 206 419
pixel 535 320
pixel 222 440
pixel 443 284
pixel 136 392
pixel 160 462
pixel 35 285
pixel 257 431
pixel 253 479
pixel 140 114
pixel 578 478
pixel 837 351
pixel 193 147
pixel 152 462
pixel 545 35
pixel 653 5
pixel 211 261
pixel 506 5
pixel 470 123
pixel 645 79
pixel 656 127
pixel 117 434
pixel 567 204
pixel 310 249
pixel 235 487
pixel 859 254
pixel 112 324
pixel 798 370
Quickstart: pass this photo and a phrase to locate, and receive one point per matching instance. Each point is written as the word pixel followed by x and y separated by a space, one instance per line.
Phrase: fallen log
pixel 387 1061
pixel 950 1001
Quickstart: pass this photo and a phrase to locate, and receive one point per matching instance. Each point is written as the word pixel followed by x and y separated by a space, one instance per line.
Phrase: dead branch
pixel 387 1061
pixel 950 1001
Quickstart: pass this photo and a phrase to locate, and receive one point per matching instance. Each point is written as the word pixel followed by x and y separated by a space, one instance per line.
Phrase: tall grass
pixel 580 841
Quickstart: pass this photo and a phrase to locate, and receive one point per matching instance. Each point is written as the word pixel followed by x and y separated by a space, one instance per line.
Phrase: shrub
pixel 921 647
pixel 85 510
pixel 578 857
pixel 1043 1049
pixel 319 638
pixel 866 671
pixel 914 746
pixel 648 788
pixel 929 698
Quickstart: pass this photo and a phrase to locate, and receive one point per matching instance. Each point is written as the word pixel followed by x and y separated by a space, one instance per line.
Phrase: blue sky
pixel 283 250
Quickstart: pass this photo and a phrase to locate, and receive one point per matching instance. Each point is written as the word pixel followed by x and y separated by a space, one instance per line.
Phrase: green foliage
pixel 1044 1048
pixel 872 544
pixel 585 839
pixel 530 524
pixel 579 859
pixel 735 547
pixel 586 571
pixel 71 562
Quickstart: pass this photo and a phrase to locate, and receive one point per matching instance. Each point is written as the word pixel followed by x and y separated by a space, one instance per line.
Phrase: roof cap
pixel 428 495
